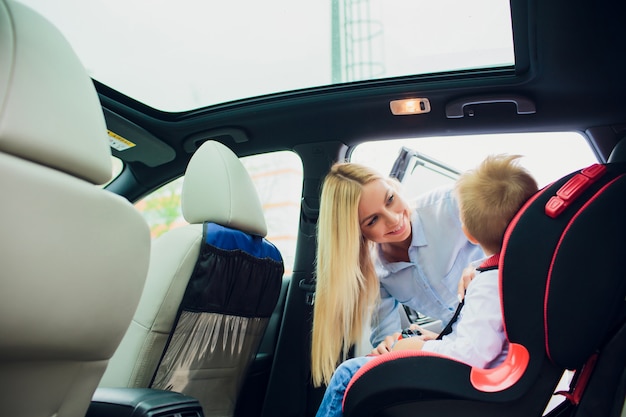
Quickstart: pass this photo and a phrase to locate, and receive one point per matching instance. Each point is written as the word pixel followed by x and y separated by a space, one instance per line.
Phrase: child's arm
pixel 478 337
pixel 410 343
pixel 417 334
pixel 390 342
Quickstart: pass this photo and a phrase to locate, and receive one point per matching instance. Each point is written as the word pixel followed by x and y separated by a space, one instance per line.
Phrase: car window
pixel 436 161
pixel 291 44
pixel 278 179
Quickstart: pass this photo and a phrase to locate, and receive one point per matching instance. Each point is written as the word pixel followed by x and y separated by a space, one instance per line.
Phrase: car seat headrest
pixel 49 108
pixel 217 188
pixel 618 154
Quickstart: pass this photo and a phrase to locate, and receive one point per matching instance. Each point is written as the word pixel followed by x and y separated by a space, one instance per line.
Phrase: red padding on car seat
pixel 504 375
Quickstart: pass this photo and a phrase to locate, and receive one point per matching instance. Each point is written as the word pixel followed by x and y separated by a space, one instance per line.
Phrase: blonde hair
pixel 346 283
pixel 490 195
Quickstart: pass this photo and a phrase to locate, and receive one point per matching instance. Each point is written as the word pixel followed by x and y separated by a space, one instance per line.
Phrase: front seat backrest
pixel 211 289
pixel 74 257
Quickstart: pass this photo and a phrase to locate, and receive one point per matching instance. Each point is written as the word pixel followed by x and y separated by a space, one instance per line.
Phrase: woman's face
pixel 383 215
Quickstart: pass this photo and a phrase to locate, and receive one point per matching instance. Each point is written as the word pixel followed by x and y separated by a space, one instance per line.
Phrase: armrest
pixel 141 402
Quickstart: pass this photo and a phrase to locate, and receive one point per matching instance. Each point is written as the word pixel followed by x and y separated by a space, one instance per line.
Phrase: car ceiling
pixel 570 64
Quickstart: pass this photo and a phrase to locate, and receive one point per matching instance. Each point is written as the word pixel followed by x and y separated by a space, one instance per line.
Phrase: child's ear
pixel 468 235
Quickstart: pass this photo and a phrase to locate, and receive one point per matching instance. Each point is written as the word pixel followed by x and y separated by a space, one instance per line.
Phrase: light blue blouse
pixel 438 254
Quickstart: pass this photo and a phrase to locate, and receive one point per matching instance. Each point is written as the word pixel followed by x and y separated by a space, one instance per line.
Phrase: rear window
pixel 436 161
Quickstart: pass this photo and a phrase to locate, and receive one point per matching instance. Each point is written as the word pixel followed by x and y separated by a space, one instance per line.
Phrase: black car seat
pixel 563 287
pixel 211 289
pixel 74 257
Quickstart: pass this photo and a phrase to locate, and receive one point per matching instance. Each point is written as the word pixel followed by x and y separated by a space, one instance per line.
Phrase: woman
pixel 375 252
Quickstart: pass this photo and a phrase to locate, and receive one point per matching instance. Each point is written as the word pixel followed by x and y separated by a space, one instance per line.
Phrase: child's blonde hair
pixel 347 286
pixel 490 195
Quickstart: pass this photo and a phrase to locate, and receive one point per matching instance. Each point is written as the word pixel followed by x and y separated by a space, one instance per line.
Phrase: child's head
pixel 490 195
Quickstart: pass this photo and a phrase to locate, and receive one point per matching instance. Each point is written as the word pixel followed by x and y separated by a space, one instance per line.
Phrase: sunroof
pixel 187 54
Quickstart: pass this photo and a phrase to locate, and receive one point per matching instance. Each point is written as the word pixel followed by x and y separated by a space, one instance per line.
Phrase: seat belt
pixel 448 329
pixel 489 264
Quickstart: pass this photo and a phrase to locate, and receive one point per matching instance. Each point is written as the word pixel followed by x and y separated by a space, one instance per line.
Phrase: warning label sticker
pixel 119 143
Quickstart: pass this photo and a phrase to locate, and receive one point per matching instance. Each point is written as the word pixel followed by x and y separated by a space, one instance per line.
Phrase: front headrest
pixel 618 154
pixel 217 188
pixel 49 109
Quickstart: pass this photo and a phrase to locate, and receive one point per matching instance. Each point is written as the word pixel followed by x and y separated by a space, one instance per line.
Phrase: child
pixel 488 197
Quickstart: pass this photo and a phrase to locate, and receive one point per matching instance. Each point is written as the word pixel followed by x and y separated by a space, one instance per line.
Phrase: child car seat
pixel 563 291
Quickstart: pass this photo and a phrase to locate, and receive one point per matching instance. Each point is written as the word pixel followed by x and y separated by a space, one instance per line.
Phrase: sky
pixel 190 53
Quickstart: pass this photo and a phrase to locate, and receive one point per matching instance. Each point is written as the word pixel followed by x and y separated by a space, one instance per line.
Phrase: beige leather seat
pixel 73 257
pixel 211 288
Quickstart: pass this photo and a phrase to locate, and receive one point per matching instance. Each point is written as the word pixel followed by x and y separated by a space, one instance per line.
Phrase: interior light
pixel 410 106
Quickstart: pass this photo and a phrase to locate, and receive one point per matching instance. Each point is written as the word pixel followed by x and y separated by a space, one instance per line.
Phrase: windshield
pixel 187 54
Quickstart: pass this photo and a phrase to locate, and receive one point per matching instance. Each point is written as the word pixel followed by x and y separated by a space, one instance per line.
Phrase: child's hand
pixel 467 277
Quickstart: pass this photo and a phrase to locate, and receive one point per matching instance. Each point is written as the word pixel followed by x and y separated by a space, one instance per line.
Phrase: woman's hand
pixel 468 275
pixel 386 345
